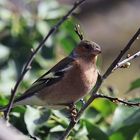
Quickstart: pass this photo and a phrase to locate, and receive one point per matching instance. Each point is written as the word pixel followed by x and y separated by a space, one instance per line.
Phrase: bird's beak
pixel 97 49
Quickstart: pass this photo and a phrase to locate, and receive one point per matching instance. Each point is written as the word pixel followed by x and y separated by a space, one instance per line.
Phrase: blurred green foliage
pixel 135 84
pixel 20 31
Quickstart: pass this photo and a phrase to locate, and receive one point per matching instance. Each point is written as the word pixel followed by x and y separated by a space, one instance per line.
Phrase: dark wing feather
pixel 58 72
pixel 58 68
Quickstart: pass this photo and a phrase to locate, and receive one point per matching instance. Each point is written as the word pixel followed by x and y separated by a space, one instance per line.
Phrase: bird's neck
pixel 90 59
pixel 87 59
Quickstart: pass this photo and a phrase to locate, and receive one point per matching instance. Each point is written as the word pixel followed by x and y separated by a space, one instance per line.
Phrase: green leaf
pixel 125 124
pixel 62 116
pixel 3 100
pixel 95 132
pixel 4 53
pixel 134 85
pixel 125 133
pixel 57 128
pixel 67 37
pixel 104 106
pixel 17 118
pixel 54 136
pixel 7 80
pixel 82 134
pixel 67 45
pixel 42 27
pixel 31 115
pixel 137 136
pixel 90 113
pixel 125 116
pixel 33 118
pixel 50 10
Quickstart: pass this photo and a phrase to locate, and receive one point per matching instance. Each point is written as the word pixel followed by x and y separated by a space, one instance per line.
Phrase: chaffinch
pixel 67 82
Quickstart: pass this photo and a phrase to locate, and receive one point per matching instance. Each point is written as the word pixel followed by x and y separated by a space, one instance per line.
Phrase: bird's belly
pixel 64 95
pixel 58 96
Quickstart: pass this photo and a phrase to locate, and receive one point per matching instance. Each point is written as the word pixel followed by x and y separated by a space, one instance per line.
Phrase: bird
pixel 67 82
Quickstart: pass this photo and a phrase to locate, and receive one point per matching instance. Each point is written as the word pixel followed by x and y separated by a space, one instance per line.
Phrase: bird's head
pixel 88 49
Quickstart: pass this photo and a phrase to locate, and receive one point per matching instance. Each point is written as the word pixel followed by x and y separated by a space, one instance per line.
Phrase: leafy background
pixel 20 31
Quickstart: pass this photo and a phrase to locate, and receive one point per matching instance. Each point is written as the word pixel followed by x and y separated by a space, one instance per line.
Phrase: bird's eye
pixel 87 47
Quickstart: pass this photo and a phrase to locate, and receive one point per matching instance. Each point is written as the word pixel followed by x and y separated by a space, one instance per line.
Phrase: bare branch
pixel 126 48
pixel 29 61
pixel 99 83
pixel 122 63
pixel 79 32
pixel 117 100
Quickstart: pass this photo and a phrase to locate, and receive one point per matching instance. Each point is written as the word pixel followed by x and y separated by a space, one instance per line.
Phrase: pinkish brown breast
pixel 75 84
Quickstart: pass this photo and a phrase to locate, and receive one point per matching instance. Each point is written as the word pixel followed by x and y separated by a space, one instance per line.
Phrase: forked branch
pixel 126 62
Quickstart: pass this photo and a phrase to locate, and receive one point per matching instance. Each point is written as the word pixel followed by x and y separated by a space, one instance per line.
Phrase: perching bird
pixel 67 82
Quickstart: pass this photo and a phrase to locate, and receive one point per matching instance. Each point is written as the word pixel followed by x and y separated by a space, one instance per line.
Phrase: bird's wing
pixel 51 77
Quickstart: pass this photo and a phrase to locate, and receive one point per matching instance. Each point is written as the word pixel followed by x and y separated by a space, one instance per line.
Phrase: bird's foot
pixel 73 112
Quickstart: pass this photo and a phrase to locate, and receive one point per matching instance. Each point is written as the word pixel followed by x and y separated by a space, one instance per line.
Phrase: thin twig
pixel 99 83
pixel 78 31
pixel 122 63
pixel 126 48
pixel 27 66
pixel 117 100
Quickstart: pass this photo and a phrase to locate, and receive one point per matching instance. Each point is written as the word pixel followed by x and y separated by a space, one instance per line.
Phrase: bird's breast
pixel 89 76
pixel 73 86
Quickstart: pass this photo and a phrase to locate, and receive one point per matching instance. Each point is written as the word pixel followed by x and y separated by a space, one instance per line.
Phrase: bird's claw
pixel 73 112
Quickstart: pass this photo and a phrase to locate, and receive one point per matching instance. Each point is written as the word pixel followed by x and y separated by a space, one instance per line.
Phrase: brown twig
pixel 122 63
pixel 78 31
pixel 117 100
pixel 126 48
pixel 99 83
pixel 27 66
